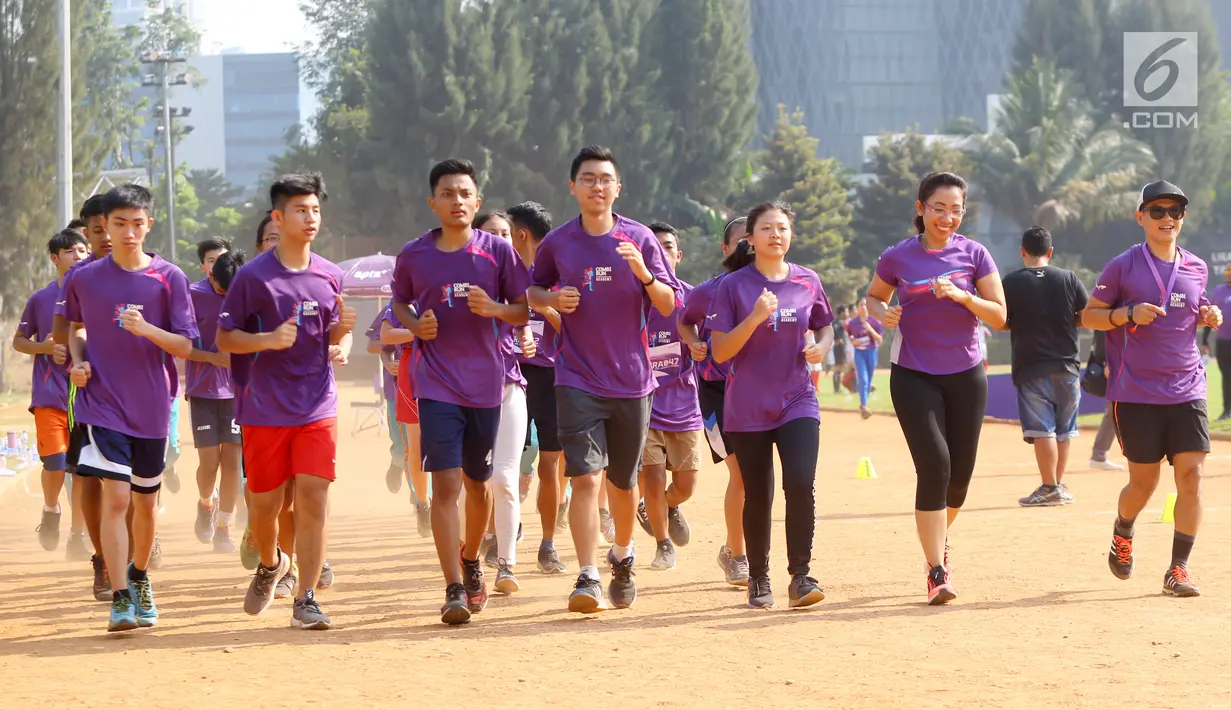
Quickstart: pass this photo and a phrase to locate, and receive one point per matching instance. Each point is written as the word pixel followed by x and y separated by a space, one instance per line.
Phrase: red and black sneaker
pixel 1176 583
pixel 476 587
pixel 1120 559
pixel 940 589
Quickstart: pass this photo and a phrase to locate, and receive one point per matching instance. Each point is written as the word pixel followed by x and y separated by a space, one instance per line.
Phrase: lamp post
pixel 64 136
pixel 164 81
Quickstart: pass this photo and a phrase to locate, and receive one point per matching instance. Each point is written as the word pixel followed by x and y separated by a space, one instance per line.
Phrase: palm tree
pixel 1047 162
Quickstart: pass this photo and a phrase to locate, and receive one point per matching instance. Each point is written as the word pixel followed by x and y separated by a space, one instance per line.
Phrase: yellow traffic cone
pixel 865 469
pixel 1168 510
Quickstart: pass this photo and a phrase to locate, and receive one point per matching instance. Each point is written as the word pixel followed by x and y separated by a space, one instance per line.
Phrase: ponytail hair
pixel 741 256
pixel 933 182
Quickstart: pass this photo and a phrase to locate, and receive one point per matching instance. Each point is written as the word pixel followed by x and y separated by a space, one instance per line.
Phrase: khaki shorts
pixel 678 450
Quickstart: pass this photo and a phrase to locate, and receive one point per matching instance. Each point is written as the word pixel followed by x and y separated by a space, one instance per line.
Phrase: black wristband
pixel 1130 315
pixel 647 284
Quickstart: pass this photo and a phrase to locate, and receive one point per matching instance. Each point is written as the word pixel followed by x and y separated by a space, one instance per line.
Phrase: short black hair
pixel 533 217
pixel 226 266
pixel 662 228
pixel 593 152
pixel 1036 241
pixel 212 244
pixel 66 239
pixel 451 166
pixel 296 185
pixel 77 225
pixel 481 219
pixel 92 207
pixel 260 229
pixel 128 197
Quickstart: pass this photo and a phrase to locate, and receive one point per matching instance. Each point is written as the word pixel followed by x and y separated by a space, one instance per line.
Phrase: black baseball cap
pixel 1158 191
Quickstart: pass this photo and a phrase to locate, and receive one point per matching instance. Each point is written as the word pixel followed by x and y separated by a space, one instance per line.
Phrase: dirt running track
pixel 1039 621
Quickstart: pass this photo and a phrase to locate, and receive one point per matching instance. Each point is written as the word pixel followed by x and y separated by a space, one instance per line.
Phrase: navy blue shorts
pixel 110 454
pixel 453 436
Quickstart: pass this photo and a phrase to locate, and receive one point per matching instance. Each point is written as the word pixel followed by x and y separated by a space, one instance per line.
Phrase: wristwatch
pixel 647 284
pixel 1130 314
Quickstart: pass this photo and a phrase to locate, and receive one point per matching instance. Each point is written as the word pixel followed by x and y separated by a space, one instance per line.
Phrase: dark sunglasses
pixel 1157 212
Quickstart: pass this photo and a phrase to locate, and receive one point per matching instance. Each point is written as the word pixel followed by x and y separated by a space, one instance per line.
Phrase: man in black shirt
pixel 1044 306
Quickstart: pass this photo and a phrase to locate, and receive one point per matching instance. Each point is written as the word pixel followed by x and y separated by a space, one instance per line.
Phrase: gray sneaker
pixel 506 581
pixel 394 476
pixel 423 519
pixel 49 530
pixel 1043 497
pixel 489 551
pixel 621 590
pixel 677 527
pixel 326 579
pixel 204 527
pixel 308 615
pixel 760 596
pixel 606 524
pixel 587 596
pixel 156 554
pixel 664 556
pixel 222 540
pixel 549 561
pixel 1065 495
pixel 261 591
pixel 734 568
pixel 286 586
pixel 562 517
pixel 77 547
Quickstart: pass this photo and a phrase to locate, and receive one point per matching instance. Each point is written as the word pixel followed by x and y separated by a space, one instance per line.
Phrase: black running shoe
pixel 102 580
pixel 1177 583
pixel 643 517
pixel 677 527
pixel 49 530
pixel 455 611
pixel 1120 559
pixel 622 590
pixel 759 594
pixel 804 591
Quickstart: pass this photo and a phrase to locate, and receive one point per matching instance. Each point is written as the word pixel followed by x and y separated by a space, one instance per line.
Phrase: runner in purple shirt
pixel 771 319
pixel 530 223
pixel 1152 300
pixel 1222 347
pixel 281 314
pixel 865 334
pixel 139 316
pixel 462 282
pixel 49 388
pixel 712 393
pixel 673 442
pixel 211 403
pixel 945 284
pixel 610 270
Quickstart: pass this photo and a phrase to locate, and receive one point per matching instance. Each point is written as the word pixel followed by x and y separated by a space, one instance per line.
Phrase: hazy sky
pixel 254 25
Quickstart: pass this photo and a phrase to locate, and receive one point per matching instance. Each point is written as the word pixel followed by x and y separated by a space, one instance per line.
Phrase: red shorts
pixel 273 455
pixel 408 406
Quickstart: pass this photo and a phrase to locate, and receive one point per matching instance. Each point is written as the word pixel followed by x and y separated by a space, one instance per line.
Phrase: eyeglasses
pixel 604 182
pixel 270 240
pixel 1174 212
pixel 955 213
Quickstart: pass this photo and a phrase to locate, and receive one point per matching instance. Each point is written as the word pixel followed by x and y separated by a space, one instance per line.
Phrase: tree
pixel 1048 162
pixel 885 207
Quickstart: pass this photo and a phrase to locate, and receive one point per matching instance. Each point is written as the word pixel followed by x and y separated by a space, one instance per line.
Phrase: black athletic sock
pixel 115 596
pixel 1124 528
pixel 1181 548
pixel 137 575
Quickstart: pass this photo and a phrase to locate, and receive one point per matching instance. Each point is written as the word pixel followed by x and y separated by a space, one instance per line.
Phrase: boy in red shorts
pixel 282 313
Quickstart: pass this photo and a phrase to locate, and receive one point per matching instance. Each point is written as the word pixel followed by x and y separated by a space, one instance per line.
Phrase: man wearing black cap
pixel 1151 300
pixel 1222 348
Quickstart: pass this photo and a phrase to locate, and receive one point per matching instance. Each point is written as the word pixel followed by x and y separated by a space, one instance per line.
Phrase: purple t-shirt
pixel 602 346
pixel 698 312
pixel 769 383
pixel 388 382
pixel 59 311
pixel 203 380
pixel 130 375
pixel 544 342
pixel 292 387
pixel 50 384
pixel 1160 362
pixel 675 406
pixel 935 335
pixel 1222 299
pixel 859 334
pixel 510 348
pixel 463 364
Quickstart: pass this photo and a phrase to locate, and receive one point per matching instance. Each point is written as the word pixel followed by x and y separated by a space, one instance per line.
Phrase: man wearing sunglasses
pixel 1151 300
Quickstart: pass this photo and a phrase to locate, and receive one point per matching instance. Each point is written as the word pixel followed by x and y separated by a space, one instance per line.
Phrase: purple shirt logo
pixel 960 278
pixel 448 292
pixel 772 321
pixel 119 312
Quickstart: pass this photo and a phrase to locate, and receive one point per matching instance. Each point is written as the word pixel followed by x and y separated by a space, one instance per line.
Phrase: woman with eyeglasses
pixel 266 234
pixel 945 284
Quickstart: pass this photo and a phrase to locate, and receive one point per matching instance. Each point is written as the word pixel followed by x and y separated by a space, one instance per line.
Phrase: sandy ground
pixel 1039 621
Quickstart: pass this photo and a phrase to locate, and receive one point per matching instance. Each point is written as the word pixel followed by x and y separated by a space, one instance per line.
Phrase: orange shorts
pixel 51 431
pixel 408 406
pixel 274 455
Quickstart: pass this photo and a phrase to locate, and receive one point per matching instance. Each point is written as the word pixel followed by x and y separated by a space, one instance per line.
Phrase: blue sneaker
pixel 143 599
pixel 123 614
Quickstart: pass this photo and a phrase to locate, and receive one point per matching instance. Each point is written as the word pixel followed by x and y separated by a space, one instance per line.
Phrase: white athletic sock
pixel 590 572
pixel 207 502
pixel 224 519
pixel 623 553
pixel 52 509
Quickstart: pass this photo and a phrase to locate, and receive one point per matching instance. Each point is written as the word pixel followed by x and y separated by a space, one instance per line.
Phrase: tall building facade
pixel 860 67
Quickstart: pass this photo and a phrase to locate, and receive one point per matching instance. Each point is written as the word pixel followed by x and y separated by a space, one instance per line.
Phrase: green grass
pixel 879 400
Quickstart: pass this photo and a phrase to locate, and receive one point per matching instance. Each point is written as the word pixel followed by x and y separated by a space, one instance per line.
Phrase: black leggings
pixel 941 417
pixel 798 441
pixel 1223 353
